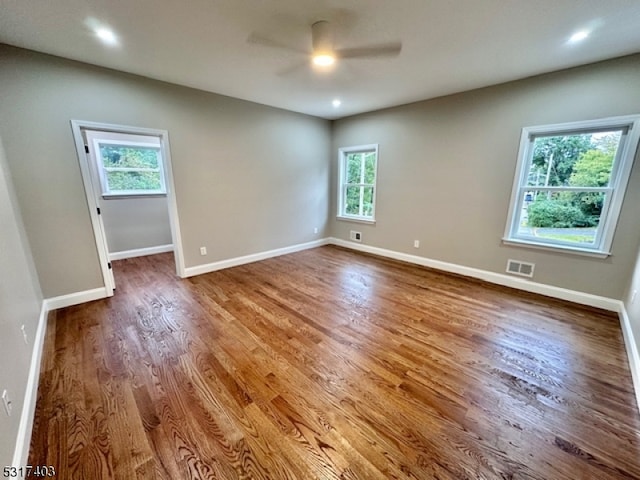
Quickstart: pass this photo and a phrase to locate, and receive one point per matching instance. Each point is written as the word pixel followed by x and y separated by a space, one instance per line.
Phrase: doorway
pixel 129 186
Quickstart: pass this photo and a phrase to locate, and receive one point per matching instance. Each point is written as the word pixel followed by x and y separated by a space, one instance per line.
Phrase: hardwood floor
pixel 332 364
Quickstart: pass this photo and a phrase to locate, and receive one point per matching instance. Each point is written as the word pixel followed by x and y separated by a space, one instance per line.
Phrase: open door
pixel 118 161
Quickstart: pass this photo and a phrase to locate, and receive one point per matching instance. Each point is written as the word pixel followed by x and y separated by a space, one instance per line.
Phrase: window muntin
pixel 130 168
pixel 570 184
pixel 358 171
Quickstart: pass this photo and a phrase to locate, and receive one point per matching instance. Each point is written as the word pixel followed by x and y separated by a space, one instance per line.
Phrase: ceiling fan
pixel 323 52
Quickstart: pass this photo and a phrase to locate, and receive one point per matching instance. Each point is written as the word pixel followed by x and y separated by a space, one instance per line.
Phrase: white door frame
pixel 93 191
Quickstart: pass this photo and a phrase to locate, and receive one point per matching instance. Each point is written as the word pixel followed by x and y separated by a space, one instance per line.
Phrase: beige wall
pixel 130 223
pixel 446 169
pixel 20 302
pixel 632 302
pixel 251 178
pixel 248 178
pixel 133 223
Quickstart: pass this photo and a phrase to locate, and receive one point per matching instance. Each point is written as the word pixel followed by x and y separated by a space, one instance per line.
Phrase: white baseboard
pixel 75 298
pixel 140 252
pixel 23 441
pixel 25 428
pixel 632 349
pixel 491 277
pixel 255 257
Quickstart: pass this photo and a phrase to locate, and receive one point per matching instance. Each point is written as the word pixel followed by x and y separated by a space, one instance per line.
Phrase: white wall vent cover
pixel 523 269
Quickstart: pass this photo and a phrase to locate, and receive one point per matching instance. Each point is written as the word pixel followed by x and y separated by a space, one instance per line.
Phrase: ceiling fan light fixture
pixel 322 44
pixel 323 54
pixel 324 59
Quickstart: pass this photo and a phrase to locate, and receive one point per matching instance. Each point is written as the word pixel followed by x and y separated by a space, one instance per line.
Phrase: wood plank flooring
pixel 331 364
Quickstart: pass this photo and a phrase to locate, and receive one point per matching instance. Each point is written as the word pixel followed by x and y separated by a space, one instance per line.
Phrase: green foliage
pixel 353 201
pixel 361 173
pixel 145 175
pixel 125 181
pixel 580 160
pixel 562 152
pixel 354 167
pixel 545 213
pixel 593 169
pixel 128 157
pixel 370 168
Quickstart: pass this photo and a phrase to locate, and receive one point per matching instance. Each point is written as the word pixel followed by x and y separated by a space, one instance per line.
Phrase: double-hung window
pixel 357 190
pixel 570 182
pixel 130 168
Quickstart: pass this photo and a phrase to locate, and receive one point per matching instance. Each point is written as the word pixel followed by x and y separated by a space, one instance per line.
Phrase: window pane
pixel 354 167
pixel 358 177
pixel 352 205
pixel 367 202
pixel 576 160
pixel 123 156
pixel 370 168
pixel 359 201
pixel 123 181
pixel 570 217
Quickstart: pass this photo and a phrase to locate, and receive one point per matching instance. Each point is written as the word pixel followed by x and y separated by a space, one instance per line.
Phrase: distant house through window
pixel 570 183
pixel 358 172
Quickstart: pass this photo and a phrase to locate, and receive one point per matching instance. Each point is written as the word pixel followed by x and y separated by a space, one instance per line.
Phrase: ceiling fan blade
pixel 371 51
pixel 292 69
pixel 268 42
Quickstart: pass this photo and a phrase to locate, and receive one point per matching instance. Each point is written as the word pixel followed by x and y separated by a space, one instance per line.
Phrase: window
pixel 130 168
pixel 570 183
pixel 358 166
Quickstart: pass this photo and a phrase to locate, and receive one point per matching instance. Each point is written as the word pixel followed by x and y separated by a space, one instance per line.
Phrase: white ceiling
pixel 448 45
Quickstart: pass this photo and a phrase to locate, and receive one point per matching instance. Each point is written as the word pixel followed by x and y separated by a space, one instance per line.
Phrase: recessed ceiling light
pixel 336 103
pixel 106 35
pixel 579 36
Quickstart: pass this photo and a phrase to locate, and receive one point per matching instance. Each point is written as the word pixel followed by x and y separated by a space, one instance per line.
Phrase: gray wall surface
pixel 130 223
pixel 248 178
pixel 133 223
pixel 632 303
pixel 251 178
pixel 20 303
pixel 446 169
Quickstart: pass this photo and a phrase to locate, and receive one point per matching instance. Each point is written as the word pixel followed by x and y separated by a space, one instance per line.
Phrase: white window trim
pixel 104 184
pixel 618 185
pixel 342 164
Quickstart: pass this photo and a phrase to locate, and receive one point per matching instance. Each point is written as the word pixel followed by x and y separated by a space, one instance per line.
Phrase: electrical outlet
pixel 24 335
pixel 7 402
pixel 203 251
pixel 315 230
pixel 355 236
pixel 416 244
pixel 633 295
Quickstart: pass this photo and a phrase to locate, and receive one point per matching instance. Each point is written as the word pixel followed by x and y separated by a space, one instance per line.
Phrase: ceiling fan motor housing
pixel 321 38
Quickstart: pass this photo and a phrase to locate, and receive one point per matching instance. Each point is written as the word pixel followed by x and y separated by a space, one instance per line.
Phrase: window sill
pixel 118 196
pixel 356 219
pixel 556 248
